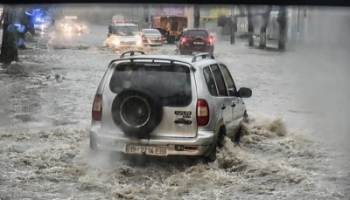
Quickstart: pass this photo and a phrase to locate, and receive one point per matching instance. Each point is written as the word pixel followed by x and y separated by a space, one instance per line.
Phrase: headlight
pixel 139 40
pixel 116 42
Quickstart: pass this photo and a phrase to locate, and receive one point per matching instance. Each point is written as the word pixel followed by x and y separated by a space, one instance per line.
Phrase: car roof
pixel 124 24
pixel 200 63
pixel 196 29
pixel 150 29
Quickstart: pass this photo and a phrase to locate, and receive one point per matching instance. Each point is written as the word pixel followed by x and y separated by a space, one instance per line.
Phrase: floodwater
pixel 294 146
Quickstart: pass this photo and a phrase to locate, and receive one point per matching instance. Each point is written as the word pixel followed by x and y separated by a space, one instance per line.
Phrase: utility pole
pixel 266 18
pixel 233 28
pixel 196 16
pixel 9 49
pixel 250 27
pixel 282 20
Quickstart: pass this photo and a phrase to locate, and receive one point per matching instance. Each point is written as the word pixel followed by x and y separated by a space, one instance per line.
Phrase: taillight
pixel 143 38
pixel 160 38
pixel 183 40
pixel 202 112
pixel 97 108
pixel 210 40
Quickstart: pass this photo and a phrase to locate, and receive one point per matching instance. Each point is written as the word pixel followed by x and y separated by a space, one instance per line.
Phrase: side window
pixel 228 78
pixel 219 80
pixel 210 81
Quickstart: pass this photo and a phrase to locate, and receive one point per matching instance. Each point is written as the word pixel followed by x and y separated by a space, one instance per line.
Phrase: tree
pixel 282 20
pixel 265 18
pixel 9 49
pixel 250 26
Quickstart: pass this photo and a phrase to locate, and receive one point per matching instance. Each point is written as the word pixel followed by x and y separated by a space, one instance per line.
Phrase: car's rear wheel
pixel 239 133
pixel 137 112
pixel 217 145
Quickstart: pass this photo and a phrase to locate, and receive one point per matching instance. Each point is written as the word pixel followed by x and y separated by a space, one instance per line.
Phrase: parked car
pixel 161 105
pixel 124 35
pixel 152 37
pixel 195 41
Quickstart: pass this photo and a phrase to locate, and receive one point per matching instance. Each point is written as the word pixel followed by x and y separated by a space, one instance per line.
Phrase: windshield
pixel 153 31
pixel 125 30
pixel 197 33
pixel 172 84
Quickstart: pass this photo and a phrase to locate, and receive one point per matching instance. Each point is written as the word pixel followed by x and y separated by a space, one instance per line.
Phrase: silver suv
pixel 164 105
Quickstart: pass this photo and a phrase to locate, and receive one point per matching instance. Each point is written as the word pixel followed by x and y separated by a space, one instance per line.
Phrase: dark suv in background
pixel 195 41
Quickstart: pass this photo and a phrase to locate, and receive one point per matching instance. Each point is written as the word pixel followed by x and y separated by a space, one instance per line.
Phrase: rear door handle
pixel 223 107
pixel 233 105
pixel 183 121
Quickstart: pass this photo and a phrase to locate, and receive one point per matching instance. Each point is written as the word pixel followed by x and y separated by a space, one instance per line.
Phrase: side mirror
pixel 244 92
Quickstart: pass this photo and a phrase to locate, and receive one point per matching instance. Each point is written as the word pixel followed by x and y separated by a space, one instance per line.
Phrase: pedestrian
pixel 168 27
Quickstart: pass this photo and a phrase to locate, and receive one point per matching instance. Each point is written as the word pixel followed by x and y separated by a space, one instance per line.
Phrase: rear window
pixel 197 33
pixel 172 84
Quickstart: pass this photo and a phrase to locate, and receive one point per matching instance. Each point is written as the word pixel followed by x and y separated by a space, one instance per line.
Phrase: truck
pixel 169 26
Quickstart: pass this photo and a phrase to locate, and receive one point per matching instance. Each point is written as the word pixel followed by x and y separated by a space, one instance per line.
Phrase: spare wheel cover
pixel 137 112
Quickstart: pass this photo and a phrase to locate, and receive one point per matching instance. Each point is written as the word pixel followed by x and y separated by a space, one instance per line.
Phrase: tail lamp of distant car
pixel 97 108
pixel 118 21
pixel 144 38
pixel 211 40
pixel 160 38
pixel 202 112
pixel 183 40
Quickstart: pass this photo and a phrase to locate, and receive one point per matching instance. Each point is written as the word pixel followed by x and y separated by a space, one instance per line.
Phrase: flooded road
pixel 47 100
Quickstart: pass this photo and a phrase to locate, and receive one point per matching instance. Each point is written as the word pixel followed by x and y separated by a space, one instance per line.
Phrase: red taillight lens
pixel 202 112
pixel 210 40
pixel 160 38
pixel 143 38
pixel 183 40
pixel 97 108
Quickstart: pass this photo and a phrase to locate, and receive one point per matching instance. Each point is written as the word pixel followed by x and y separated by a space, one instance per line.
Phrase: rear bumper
pixel 153 42
pixel 117 142
pixel 193 49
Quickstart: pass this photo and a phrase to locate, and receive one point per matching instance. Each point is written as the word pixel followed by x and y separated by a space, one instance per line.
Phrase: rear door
pixel 225 100
pixel 197 39
pixel 172 85
pixel 236 106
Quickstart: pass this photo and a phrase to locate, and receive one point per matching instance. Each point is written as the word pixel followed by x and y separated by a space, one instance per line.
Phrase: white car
pixel 162 105
pixel 124 35
pixel 152 37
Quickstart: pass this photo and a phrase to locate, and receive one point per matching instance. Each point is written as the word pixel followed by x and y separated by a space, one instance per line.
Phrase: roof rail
pixel 203 55
pixel 132 53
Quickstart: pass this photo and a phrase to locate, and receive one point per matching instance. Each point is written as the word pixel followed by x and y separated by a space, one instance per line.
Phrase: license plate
pixel 198 42
pixel 148 150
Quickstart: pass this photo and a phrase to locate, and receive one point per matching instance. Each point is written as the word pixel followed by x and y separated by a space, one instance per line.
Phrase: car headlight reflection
pixel 116 42
pixel 139 40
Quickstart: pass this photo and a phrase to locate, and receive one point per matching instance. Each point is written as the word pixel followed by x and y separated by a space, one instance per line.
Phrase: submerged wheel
pixel 211 156
pixel 136 112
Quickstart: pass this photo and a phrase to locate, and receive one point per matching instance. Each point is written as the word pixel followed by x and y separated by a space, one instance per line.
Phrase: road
pixel 295 146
